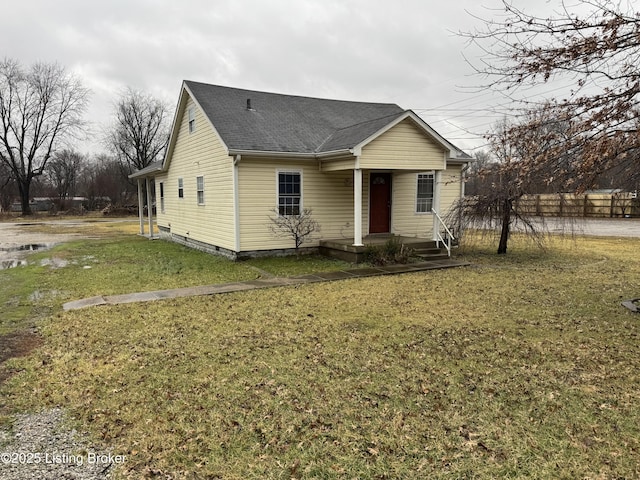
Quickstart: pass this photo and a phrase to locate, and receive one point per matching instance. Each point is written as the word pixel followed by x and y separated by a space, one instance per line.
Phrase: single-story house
pixel 236 158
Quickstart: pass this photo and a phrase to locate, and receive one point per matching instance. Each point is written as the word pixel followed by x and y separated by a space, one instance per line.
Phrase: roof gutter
pixel 287 155
pixel 460 161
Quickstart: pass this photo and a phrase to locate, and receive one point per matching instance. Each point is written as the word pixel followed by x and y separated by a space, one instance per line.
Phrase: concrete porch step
pixel 344 249
pixel 428 251
pixel 432 256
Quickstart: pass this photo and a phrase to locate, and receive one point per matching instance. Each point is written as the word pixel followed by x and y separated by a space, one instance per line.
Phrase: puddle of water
pixel 29 247
pixel 19 262
pixel 4 264
pixel 39 295
pixel 54 262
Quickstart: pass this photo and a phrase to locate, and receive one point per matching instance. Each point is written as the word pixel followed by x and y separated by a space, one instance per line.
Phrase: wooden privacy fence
pixel 620 204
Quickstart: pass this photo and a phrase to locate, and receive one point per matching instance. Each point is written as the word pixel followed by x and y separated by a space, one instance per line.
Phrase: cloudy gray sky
pixel 402 51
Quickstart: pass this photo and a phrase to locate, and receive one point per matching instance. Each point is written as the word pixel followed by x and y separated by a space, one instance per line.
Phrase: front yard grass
pixel 119 262
pixel 522 366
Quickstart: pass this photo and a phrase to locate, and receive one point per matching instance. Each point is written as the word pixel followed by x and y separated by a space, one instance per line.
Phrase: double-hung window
pixel 200 190
pixel 424 196
pixel 180 188
pixel 289 193
pixel 191 113
pixel 162 197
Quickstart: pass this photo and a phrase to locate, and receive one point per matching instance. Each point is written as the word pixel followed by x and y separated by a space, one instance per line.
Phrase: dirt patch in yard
pixel 16 344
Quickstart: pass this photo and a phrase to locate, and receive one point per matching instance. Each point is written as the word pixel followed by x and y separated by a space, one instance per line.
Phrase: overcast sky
pixel 402 51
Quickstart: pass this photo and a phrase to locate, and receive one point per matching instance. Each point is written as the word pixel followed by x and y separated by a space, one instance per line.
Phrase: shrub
pixel 392 251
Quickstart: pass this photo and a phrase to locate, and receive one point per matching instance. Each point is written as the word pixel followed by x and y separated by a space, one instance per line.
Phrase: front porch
pixel 344 248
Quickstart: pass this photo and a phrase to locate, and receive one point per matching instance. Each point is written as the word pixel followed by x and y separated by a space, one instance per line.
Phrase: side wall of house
pixel 404 218
pixel 404 147
pixel 198 153
pixel 328 194
pixel 449 189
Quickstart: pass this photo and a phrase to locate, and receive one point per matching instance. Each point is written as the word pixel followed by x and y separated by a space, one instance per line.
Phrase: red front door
pixel 379 202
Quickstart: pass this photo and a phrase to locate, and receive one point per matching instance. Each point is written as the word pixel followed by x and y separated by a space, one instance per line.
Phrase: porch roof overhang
pixel 149 171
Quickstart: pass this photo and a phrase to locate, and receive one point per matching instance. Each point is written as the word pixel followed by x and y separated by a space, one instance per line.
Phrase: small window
pixel 289 193
pixel 162 197
pixel 180 188
pixel 200 190
pixel 192 119
pixel 424 197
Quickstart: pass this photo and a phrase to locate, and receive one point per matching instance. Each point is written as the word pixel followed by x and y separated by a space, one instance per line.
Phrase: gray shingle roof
pixel 288 123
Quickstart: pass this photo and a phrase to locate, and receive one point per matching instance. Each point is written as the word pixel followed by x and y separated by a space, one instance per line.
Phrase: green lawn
pixel 120 262
pixel 521 366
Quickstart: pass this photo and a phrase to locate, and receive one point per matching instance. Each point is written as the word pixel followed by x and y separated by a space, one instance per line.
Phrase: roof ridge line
pixel 292 95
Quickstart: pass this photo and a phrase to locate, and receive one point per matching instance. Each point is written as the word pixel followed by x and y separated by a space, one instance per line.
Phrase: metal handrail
pixel 436 229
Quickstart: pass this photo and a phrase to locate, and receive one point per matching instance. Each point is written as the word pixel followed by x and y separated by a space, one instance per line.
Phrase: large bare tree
pixel 40 108
pixel 62 173
pixel 140 132
pixel 587 56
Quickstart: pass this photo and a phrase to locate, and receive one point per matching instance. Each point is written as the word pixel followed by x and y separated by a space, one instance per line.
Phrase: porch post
pixel 150 208
pixel 437 176
pixel 357 207
pixel 140 207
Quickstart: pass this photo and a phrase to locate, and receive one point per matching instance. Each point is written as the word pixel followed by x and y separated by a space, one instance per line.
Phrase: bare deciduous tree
pixel 591 45
pixel 298 228
pixel 62 173
pixel 102 182
pixel 40 108
pixel 140 132
pixel 474 180
pixel 7 187
pixel 505 177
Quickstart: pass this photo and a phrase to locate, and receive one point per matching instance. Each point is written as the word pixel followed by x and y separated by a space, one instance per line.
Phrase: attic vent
pixel 249 104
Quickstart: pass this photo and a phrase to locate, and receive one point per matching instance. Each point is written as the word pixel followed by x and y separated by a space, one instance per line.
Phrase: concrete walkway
pixel 261 283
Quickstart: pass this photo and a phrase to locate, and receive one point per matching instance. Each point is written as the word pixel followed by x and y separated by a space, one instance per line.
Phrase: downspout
pixel 462 182
pixel 236 203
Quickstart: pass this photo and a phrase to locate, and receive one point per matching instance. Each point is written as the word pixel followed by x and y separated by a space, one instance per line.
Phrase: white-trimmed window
pixel 191 114
pixel 424 196
pixel 200 190
pixel 180 187
pixel 289 192
pixel 162 197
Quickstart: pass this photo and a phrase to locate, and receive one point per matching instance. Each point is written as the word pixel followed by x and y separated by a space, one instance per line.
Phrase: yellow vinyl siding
pixel 199 154
pixel 403 147
pixel 405 220
pixel 335 165
pixel 449 189
pixel 329 195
